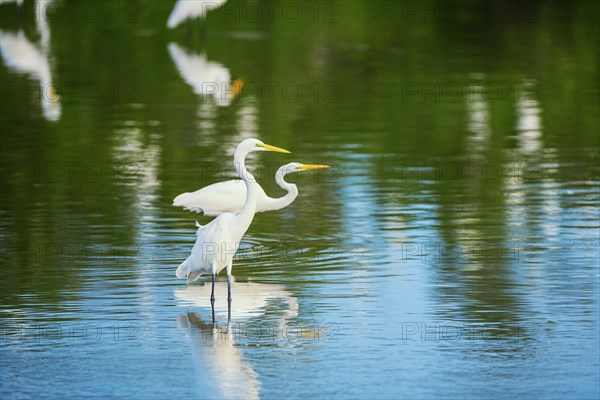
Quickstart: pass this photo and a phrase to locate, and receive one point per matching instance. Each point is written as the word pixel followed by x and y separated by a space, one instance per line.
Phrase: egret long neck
pixel 288 198
pixel 239 161
pixel 247 212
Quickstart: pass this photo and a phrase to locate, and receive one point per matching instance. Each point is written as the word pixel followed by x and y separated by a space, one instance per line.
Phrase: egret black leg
pixel 212 293
pixel 212 298
pixel 228 297
pixel 229 289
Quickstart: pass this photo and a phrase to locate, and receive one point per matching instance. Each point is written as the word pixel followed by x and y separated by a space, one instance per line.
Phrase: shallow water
pixel 452 250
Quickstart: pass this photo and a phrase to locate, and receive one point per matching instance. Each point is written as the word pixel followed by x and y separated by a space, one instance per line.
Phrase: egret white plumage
pixel 218 241
pixel 191 9
pixel 230 196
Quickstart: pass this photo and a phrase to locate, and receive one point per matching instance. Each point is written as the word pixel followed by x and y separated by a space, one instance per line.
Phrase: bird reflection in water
pixel 214 345
pixel 215 350
pixel 190 10
pixel 251 300
pixel 207 78
pixel 21 55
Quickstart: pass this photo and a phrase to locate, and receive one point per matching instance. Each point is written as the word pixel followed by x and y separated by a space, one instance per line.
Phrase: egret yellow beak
pixel 268 147
pixel 307 167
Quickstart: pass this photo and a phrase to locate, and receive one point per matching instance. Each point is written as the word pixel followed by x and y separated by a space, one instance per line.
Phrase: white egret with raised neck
pixel 218 241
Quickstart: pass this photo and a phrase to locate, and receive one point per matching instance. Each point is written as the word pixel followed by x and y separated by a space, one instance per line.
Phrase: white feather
pixel 191 9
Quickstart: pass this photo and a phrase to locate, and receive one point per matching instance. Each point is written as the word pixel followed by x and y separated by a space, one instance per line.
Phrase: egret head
pixel 251 145
pixel 297 167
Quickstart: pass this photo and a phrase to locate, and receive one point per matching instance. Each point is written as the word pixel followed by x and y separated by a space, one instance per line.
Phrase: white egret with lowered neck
pixel 229 196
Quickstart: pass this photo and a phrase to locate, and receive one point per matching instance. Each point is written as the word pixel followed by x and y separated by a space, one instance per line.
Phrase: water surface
pixel 452 250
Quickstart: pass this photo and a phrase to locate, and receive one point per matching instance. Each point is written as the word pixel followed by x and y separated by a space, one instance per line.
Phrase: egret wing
pixel 215 199
pixel 213 244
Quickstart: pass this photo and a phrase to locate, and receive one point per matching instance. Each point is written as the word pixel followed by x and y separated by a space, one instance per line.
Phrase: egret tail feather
pixel 182 270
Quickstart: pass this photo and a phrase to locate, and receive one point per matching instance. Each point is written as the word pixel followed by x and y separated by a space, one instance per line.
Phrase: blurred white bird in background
pixel 230 196
pixel 191 9
pixel 218 241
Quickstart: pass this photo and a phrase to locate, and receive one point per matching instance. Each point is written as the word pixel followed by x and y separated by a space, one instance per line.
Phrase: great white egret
pixel 191 9
pixel 218 241
pixel 229 196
